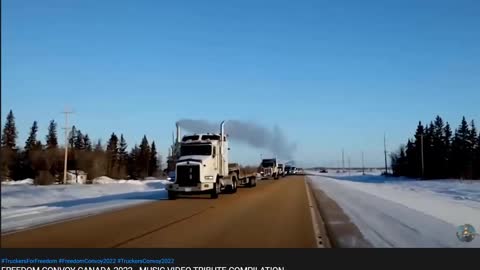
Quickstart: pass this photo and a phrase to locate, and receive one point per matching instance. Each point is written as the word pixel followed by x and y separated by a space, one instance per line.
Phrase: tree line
pixel 44 162
pixel 446 154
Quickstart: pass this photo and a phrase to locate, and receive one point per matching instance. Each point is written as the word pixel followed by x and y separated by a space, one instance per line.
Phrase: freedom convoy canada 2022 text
pixel 142 268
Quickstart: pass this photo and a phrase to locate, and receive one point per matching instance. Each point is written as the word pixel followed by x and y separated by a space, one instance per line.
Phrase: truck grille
pixel 188 176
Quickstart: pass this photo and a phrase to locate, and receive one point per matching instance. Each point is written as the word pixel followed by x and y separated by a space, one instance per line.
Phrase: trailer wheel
pixel 252 182
pixel 172 195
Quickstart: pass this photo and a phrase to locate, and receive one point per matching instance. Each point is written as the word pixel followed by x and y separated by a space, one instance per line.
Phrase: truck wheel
pixel 253 182
pixel 215 191
pixel 172 195
pixel 234 185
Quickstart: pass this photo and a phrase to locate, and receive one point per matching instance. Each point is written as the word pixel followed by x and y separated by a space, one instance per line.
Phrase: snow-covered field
pixel 25 205
pixel 398 212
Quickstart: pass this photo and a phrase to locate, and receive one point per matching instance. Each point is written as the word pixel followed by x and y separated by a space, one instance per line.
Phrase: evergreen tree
pixel 399 162
pixel 477 159
pixel 112 155
pixel 99 146
pixel 438 151
pixel 9 136
pixel 419 134
pixel 472 165
pixel 87 143
pixel 472 137
pixel 122 158
pixel 52 141
pixel 25 167
pixel 412 161
pixel 153 162
pixel 72 137
pixel 133 163
pixel 144 158
pixel 31 142
pixel 448 150
pixel 79 142
pixel 460 150
pixel 122 151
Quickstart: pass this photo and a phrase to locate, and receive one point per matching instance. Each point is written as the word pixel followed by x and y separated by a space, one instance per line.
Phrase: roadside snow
pixel 393 212
pixel 27 181
pixel 25 205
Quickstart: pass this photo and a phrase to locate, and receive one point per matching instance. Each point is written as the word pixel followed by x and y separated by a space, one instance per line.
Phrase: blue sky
pixel 333 74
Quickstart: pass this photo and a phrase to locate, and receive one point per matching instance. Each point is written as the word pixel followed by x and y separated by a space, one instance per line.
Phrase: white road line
pixel 319 240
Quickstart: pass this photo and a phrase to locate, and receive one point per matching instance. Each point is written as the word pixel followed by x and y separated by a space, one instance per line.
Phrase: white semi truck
pixel 202 167
pixel 269 168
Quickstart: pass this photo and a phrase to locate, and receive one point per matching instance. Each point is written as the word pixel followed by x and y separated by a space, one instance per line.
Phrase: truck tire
pixel 232 188
pixel 215 191
pixel 235 185
pixel 252 182
pixel 172 195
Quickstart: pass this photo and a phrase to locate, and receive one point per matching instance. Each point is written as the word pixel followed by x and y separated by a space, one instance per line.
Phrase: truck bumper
pixel 200 188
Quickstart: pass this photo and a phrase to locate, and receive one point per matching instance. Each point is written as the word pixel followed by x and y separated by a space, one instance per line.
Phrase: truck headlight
pixel 209 177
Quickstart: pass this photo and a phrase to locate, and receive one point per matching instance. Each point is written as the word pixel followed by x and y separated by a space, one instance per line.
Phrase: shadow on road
pixel 145 195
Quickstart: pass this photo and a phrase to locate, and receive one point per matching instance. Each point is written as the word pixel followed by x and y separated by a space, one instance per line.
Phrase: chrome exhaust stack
pixel 178 132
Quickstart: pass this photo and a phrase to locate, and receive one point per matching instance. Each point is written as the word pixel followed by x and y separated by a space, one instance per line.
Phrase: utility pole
pixel 363 164
pixel 423 165
pixel 66 128
pixel 385 151
pixel 349 167
pixel 343 161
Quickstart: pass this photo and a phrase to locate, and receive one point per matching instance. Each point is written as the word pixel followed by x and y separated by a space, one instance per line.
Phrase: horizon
pixel 331 76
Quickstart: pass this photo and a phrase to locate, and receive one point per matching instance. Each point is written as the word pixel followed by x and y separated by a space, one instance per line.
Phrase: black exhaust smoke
pixel 249 133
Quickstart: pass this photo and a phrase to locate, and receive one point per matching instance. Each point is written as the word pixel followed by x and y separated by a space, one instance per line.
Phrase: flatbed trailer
pixel 246 176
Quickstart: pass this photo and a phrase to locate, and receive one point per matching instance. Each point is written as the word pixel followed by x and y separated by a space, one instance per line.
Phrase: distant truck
pixel 202 167
pixel 269 168
pixel 281 170
pixel 290 170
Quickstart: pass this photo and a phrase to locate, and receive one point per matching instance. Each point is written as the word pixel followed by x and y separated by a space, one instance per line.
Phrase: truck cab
pixel 269 168
pixel 202 166
pixel 281 170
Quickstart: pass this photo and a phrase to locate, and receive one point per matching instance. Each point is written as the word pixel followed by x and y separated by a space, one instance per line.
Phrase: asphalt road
pixel 274 214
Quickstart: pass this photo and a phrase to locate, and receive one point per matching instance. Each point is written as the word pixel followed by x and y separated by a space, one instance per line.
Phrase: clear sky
pixel 333 74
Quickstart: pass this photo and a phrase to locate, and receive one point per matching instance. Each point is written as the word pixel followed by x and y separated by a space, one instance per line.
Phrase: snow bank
pixel 25 206
pixel 403 212
pixel 27 181
pixel 104 180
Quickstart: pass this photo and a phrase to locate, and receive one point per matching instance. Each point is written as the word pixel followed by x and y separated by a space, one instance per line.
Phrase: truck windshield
pixel 196 149
pixel 267 164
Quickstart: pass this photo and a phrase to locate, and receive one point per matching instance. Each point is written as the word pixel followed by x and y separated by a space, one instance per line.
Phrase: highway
pixel 274 214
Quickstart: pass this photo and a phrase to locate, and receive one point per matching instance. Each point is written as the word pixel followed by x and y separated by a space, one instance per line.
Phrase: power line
pixel 66 128
pixel 363 164
pixel 385 151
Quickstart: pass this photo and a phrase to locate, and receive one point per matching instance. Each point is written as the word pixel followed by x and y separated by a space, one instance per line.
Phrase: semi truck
pixel 202 166
pixel 269 168
pixel 281 170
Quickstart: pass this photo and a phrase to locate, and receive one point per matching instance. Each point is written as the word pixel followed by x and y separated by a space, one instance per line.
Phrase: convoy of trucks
pixel 199 164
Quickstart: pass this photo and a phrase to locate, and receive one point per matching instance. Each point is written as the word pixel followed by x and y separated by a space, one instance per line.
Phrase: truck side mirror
pixel 229 149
